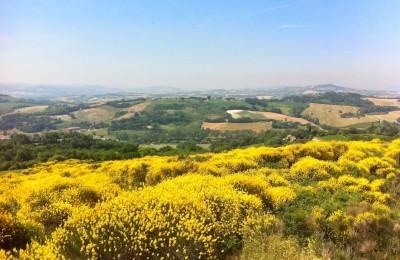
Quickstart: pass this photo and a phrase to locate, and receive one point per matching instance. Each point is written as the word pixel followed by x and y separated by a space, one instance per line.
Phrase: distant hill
pixel 52 91
pixel 6 98
pixel 315 89
pixel 367 92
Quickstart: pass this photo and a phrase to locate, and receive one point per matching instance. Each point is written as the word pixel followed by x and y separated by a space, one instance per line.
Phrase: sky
pixel 201 44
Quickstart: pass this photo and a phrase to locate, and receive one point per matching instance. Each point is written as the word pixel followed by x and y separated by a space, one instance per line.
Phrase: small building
pixel 73 129
pixel 290 138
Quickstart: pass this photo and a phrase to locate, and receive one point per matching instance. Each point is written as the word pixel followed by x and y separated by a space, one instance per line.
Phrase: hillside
pixel 302 201
pixel 178 119
pixel 334 115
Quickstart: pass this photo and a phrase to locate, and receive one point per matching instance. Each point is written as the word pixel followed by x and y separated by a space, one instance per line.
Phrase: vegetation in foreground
pixel 302 201
pixel 23 151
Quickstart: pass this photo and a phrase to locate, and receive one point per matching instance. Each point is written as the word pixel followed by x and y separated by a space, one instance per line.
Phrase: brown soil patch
pixel 256 126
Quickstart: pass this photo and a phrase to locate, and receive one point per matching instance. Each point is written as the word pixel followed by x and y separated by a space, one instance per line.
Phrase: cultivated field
pixel 395 102
pixel 24 110
pixel 267 115
pixel 30 110
pixel 264 97
pixel 331 115
pixel 256 126
pixel 134 109
pixel 94 115
pixel 65 118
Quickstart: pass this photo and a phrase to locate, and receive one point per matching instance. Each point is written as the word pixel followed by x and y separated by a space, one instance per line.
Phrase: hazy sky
pixel 203 43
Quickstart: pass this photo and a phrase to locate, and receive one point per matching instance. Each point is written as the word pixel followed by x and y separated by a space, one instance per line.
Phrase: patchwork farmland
pixel 225 126
pixel 331 115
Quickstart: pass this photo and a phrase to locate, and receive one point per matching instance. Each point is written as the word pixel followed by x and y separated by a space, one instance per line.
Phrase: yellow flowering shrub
pixel 223 164
pixel 272 196
pixel 166 170
pixel 207 206
pixel 52 205
pixel 309 168
pixel 275 179
pixel 274 158
pixel 12 233
pixel 252 184
pixel 378 166
pixel 128 174
pixel 191 216
pixel 36 251
pixel 393 152
pixel 320 150
pixel 353 156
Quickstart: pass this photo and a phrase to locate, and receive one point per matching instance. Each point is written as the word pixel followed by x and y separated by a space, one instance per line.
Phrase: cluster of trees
pixel 63 108
pixel 276 105
pixel 125 103
pixel 222 141
pixel 156 134
pixel 8 103
pixel 334 98
pixel 153 119
pixel 257 102
pixel 23 151
pixel 28 122
pixel 383 130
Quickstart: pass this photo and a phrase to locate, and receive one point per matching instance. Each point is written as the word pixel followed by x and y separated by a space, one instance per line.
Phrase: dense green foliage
pixel 28 123
pixel 62 108
pixel 9 104
pixel 125 103
pixel 23 151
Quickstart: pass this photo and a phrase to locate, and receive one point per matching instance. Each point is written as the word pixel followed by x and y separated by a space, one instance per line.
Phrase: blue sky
pixel 201 44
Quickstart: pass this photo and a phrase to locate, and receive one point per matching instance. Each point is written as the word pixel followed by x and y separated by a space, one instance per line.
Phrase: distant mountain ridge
pixel 52 91
pixel 6 98
pixel 334 88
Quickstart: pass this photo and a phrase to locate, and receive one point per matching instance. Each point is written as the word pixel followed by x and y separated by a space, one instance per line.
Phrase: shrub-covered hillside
pixel 303 201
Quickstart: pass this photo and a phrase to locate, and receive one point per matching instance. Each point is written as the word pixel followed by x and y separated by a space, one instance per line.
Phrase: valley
pixel 150 119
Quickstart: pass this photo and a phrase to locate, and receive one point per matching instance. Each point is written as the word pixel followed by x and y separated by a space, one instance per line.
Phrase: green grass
pixel 349 137
pixel 99 132
pixel 286 107
pixel 204 146
pixel 168 127
pixel 158 146
pixel 254 116
pixel 96 114
pixel 333 138
pixel 8 107
pixel 173 145
pixel 361 125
